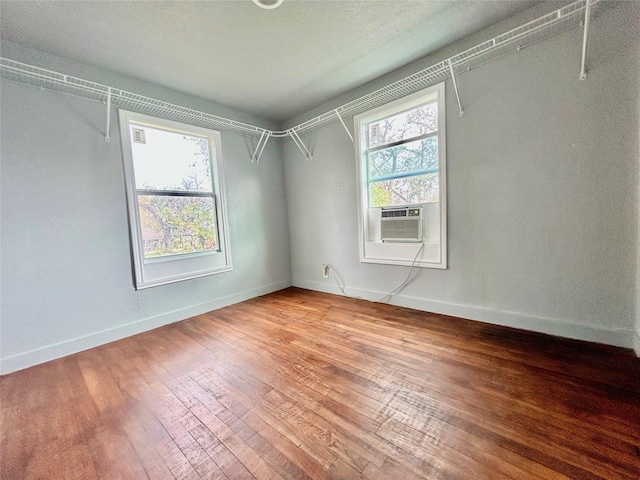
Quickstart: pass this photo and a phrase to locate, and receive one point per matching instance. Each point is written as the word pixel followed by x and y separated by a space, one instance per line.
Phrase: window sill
pixel 166 281
pixel 393 253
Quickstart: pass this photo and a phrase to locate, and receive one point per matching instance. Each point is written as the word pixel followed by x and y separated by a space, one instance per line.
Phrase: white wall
pixel 636 339
pixel 542 178
pixel 66 279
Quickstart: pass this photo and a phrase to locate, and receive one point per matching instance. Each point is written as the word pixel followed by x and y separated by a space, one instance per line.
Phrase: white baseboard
pixel 636 343
pixel 51 352
pixel 617 337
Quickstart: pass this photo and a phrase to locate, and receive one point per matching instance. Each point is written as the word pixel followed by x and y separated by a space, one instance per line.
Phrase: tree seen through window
pixel 175 199
pixel 403 158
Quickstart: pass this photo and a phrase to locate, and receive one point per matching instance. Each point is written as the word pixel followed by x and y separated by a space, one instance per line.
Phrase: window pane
pixel 164 160
pixel 404 191
pixel 409 157
pixel 177 225
pixel 407 124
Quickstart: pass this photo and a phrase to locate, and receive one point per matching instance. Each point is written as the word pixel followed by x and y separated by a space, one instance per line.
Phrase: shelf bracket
pixel 455 87
pixel 345 126
pixel 264 138
pixel 107 137
pixel 300 144
pixel 585 38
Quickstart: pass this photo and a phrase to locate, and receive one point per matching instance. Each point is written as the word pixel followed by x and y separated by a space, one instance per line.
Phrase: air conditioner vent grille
pixel 394 213
pixel 401 225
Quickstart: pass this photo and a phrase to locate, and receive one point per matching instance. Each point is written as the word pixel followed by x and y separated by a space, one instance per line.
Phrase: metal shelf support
pixel 300 144
pixel 257 153
pixel 585 38
pixel 455 87
pixel 344 125
pixel 107 137
pixel 264 138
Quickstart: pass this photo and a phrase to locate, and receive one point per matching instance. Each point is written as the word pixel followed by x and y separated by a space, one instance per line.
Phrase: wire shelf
pixel 66 84
pixel 523 36
pixel 514 40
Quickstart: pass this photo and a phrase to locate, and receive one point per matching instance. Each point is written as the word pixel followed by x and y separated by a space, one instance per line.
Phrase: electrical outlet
pixel 325 271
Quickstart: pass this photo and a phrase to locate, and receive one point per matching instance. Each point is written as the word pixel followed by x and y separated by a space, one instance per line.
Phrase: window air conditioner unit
pixel 401 224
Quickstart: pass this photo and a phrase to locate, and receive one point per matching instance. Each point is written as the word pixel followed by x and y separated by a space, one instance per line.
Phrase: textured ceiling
pixel 273 63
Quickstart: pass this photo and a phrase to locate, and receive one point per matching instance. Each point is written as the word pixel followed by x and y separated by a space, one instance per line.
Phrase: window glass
pixel 404 191
pixel 177 225
pixel 409 124
pixel 402 157
pixel 165 160
pixel 412 157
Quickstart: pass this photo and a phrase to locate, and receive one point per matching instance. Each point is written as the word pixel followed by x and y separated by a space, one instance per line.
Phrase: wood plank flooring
pixel 305 385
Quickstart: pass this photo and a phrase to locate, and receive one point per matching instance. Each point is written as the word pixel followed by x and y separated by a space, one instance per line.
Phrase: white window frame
pixel 151 272
pixel 373 250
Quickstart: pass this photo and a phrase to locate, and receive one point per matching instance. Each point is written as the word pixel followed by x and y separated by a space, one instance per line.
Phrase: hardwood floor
pixel 301 384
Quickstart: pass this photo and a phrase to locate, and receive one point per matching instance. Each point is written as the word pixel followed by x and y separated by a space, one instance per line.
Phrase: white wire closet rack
pixel 542 28
pixel 551 24
pixel 66 84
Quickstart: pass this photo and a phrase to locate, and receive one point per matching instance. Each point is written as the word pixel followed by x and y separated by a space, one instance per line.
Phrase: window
pixel 401 163
pixel 174 195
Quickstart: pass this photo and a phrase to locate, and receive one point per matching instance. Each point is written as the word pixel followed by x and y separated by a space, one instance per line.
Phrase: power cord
pixel 404 282
pixel 338 279
pixel 341 285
